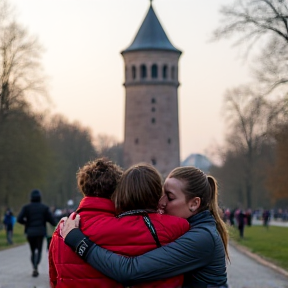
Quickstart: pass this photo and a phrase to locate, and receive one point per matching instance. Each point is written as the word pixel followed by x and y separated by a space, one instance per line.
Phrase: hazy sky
pixel 83 40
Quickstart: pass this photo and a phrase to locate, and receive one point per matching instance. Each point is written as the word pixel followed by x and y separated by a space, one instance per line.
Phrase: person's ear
pixel 194 204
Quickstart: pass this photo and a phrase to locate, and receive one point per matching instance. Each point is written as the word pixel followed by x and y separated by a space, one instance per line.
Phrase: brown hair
pixel 198 184
pixel 98 178
pixel 140 187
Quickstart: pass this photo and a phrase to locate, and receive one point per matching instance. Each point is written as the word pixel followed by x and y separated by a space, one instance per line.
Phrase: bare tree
pixel 277 180
pixel 23 149
pixel 24 157
pixel 110 147
pixel 265 22
pixel 72 146
pixel 230 179
pixel 250 119
pixel 261 27
pixel 21 74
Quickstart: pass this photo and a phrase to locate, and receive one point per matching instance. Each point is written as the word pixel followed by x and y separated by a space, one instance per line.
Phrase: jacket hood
pixel 35 196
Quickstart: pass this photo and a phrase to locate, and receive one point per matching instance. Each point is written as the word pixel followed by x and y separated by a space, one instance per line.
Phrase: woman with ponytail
pixel 200 254
pixel 200 192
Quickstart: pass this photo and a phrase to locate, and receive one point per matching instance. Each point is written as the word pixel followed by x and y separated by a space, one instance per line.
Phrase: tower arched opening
pixel 143 69
pixel 134 72
pixel 154 71
pixel 164 71
pixel 173 72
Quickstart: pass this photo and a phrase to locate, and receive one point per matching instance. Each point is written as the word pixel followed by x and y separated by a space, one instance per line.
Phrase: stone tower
pixel 151 104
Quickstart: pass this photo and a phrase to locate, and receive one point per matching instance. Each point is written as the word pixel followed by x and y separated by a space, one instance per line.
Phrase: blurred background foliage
pixel 44 151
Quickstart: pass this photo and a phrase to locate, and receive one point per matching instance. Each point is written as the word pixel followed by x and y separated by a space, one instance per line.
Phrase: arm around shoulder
pixel 195 249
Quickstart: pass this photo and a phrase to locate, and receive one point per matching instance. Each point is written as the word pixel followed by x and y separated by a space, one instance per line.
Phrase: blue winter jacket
pixel 199 254
pixel 9 221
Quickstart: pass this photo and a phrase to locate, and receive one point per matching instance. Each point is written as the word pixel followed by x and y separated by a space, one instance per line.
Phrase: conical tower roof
pixel 151 35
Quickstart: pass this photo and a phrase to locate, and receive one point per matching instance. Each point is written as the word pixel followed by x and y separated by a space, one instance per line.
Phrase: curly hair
pixel 99 178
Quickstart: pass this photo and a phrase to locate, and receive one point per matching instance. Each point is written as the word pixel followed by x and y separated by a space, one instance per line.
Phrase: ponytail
pixel 198 184
pixel 214 209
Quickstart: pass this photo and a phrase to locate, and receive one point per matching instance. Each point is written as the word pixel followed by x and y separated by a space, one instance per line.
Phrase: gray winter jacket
pixel 199 254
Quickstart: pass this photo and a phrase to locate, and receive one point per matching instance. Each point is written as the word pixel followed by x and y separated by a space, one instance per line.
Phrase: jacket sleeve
pixel 22 216
pixel 50 218
pixel 5 220
pixel 52 268
pixel 195 248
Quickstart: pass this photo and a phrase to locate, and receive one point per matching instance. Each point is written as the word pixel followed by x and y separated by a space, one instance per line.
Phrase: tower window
pixel 173 72
pixel 136 141
pixel 133 72
pixel 164 72
pixel 126 72
pixel 154 71
pixel 153 120
pixel 169 141
pixel 153 161
pixel 153 100
pixel 153 109
pixel 143 71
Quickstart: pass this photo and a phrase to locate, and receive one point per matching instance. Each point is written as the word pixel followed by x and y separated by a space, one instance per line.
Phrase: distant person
pixel 241 222
pixel 226 215
pixel 285 215
pixel 58 214
pixel 8 224
pixel 249 217
pixel 231 217
pixel 266 218
pixel 34 216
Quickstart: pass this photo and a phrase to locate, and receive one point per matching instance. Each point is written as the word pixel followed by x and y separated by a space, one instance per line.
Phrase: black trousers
pixel 241 230
pixel 9 234
pixel 36 243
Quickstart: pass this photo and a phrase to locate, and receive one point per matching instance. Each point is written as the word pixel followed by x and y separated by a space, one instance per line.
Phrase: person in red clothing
pixel 136 229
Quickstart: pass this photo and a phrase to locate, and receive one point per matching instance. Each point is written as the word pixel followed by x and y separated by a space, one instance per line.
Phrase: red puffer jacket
pixel 127 236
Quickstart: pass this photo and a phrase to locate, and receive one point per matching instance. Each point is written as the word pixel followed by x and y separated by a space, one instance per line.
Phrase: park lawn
pixel 270 243
pixel 18 237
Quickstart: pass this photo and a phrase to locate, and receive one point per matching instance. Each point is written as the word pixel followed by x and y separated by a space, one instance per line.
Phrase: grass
pixel 18 237
pixel 270 243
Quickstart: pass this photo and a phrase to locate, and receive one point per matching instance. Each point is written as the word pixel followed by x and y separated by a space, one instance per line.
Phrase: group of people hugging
pixel 133 230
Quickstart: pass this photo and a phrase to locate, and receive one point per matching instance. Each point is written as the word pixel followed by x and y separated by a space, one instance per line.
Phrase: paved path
pixel 243 272
pixel 16 269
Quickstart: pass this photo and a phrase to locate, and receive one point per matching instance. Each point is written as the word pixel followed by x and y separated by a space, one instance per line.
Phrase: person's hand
pixel 67 224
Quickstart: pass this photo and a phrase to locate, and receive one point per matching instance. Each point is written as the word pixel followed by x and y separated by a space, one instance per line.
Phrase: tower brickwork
pixel 151 104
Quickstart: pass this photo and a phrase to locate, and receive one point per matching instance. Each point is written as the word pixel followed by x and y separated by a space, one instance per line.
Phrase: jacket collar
pixel 201 217
pixel 96 203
